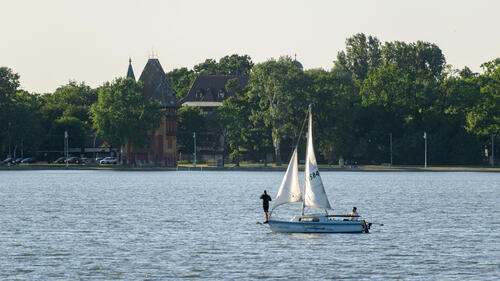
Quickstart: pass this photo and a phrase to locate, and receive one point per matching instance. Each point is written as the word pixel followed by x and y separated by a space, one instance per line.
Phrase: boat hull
pixel 318 227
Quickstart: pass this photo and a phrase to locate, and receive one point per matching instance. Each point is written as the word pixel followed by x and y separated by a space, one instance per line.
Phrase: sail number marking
pixel 314 174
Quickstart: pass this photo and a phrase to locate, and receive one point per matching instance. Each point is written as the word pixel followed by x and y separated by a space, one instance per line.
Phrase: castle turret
pixel 156 84
pixel 162 146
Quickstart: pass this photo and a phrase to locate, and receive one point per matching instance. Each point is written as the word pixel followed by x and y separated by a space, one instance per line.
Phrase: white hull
pixel 323 225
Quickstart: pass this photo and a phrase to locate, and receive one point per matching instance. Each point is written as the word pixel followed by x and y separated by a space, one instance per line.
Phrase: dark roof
pixel 298 64
pixel 156 85
pixel 130 71
pixel 212 88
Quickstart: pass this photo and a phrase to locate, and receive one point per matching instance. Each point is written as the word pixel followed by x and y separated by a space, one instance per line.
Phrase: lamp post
pixel 66 146
pixel 194 137
pixel 492 151
pixel 425 137
pixel 390 141
pixel 95 137
pixel 8 134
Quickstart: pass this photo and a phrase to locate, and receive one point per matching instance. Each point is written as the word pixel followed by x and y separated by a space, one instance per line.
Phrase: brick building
pixel 162 146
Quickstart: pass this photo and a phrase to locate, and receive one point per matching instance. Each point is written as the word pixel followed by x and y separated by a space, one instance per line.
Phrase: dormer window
pixel 221 94
pixel 199 94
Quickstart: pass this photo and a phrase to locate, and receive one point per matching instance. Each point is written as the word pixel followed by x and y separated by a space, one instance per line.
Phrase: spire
pixel 130 72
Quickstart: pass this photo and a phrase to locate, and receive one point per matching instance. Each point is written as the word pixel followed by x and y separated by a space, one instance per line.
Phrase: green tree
pixel 335 106
pixel 235 65
pixel 73 99
pixel 23 126
pixel 484 117
pixel 181 79
pixel 69 102
pixel 232 65
pixel 399 86
pixel 457 96
pixel 191 120
pixel 123 114
pixel 233 118
pixel 422 56
pixel 208 67
pixel 9 82
pixel 72 125
pixel 19 116
pixel 278 88
pixel 362 53
pixel 399 101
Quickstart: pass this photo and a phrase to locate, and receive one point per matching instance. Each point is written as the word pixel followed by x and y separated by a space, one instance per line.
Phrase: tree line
pixel 376 94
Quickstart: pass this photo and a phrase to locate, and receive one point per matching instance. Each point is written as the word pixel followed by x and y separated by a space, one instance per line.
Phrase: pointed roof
pixel 156 85
pixel 130 71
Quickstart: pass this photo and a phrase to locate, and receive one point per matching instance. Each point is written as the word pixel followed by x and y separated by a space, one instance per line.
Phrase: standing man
pixel 265 204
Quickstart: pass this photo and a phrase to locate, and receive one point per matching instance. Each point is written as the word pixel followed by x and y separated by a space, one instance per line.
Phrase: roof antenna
pixel 153 55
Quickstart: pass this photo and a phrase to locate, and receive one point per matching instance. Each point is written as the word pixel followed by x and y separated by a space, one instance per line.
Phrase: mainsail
pixel 314 191
pixel 289 191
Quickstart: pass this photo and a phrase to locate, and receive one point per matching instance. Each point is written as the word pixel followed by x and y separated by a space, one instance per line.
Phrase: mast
pixel 307 157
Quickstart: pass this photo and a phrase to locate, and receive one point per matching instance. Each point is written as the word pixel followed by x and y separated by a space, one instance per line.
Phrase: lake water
pixel 88 225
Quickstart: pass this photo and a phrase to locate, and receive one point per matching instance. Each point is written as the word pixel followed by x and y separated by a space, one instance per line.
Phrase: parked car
pixel 18 160
pixel 73 160
pixel 8 160
pixel 98 159
pixel 60 160
pixel 86 160
pixel 109 160
pixel 28 160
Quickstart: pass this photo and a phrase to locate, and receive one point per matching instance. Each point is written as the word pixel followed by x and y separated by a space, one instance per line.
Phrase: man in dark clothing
pixel 265 204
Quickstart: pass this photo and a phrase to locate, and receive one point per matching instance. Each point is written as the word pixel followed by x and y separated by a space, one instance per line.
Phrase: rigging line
pixel 302 129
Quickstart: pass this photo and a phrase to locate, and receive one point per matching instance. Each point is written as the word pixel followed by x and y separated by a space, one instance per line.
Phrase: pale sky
pixel 49 42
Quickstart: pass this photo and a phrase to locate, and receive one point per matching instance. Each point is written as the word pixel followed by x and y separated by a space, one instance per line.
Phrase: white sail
pixel 289 191
pixel 314 192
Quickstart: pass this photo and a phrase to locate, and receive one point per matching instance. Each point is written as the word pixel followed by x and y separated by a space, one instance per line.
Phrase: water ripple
pixel 172 225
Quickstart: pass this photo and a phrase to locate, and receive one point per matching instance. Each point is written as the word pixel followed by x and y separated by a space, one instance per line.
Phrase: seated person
pixel 354 214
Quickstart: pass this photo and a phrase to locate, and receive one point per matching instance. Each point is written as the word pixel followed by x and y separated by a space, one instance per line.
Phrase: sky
pixel 50 42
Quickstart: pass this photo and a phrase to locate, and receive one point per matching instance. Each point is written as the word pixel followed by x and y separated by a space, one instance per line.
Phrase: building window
pixel 199 94
pixel 221 94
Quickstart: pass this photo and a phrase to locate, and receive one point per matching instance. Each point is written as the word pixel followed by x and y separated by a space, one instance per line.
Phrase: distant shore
pixel 367 168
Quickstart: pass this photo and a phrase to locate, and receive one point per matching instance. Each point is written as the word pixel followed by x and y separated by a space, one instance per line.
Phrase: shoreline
pixel 258 168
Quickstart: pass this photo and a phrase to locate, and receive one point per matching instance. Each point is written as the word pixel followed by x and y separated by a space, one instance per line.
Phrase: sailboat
pixel 314 196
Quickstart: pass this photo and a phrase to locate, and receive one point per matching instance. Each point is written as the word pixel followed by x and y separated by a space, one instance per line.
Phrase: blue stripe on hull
pixel 316 227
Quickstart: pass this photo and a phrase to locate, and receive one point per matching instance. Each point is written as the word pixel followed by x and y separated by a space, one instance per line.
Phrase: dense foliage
pixel 376 91
pixel 121 113
pixel 182 78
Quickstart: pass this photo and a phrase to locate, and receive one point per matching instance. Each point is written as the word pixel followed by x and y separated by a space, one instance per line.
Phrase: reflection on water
pixel 164 225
